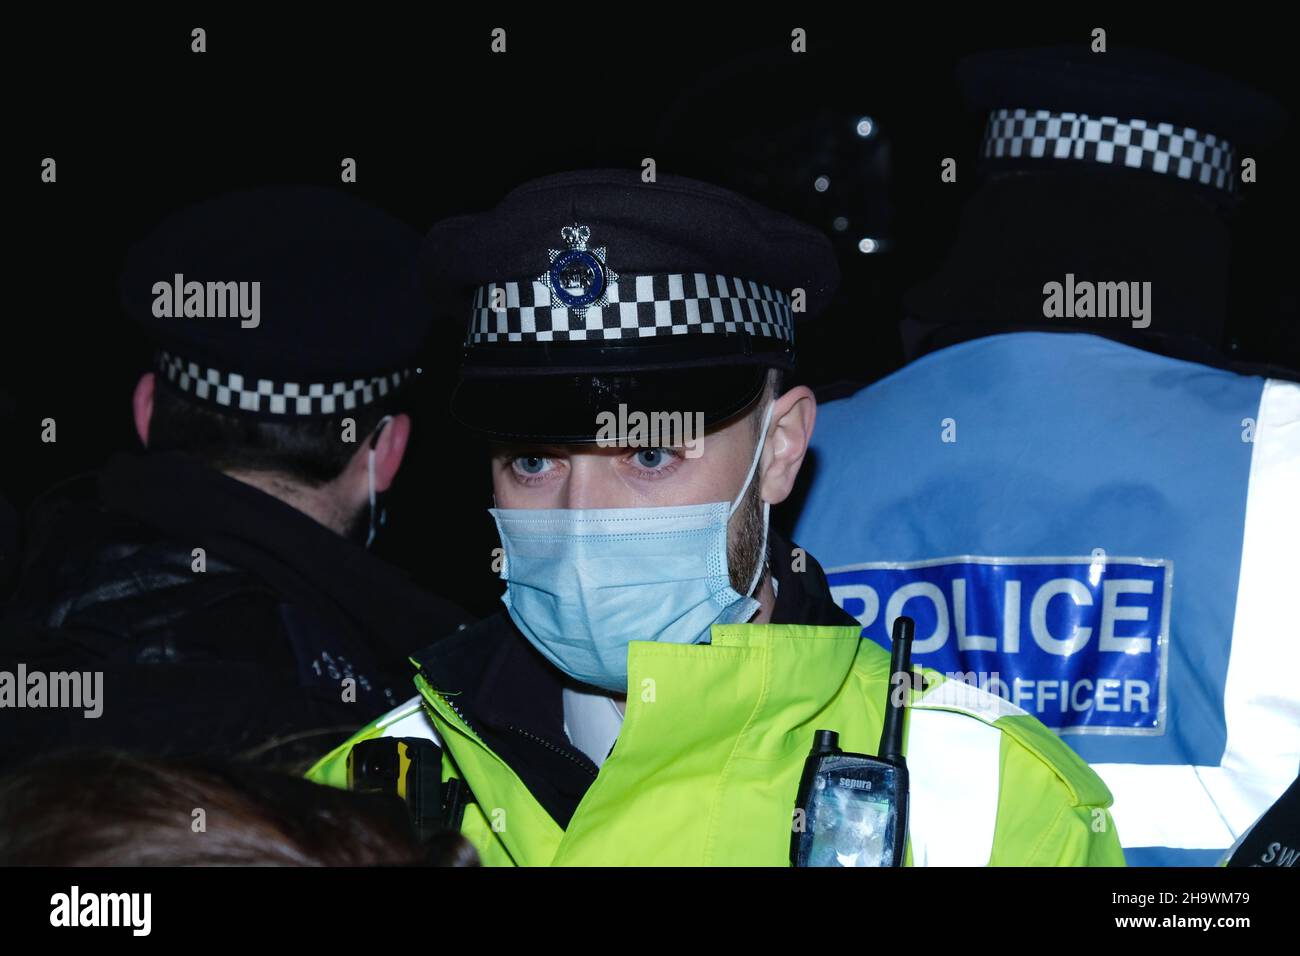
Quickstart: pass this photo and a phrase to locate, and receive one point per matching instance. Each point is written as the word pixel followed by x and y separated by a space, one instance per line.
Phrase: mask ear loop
pixel 753 467
pixel 370 473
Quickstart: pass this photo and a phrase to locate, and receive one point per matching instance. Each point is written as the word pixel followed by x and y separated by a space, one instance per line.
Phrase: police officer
pixel 652 686
pixel 220 581
pixel 1106 463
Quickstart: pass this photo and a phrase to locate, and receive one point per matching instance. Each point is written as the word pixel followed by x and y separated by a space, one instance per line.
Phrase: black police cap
pixel 1126 110
pixel 1098 161
pixel 333 324
pixel 588 290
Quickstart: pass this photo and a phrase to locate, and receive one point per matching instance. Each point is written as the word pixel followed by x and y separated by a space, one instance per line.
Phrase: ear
pixel 390 449
pixel 142 406
pixel 793 416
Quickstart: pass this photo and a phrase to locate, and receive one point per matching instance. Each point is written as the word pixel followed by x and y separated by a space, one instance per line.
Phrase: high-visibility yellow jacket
pixel 708 761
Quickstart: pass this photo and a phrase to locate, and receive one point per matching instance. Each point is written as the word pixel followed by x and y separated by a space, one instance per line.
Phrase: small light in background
pixel 822 183
pixel 866 127
pixel 868 246
pixel 840 223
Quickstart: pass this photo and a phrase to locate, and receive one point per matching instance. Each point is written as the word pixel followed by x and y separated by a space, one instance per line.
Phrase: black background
pixel 438 124
pixel 371 908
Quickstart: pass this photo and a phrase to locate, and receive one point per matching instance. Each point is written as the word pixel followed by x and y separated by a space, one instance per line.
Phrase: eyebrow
pixel 517 450
pixel 577 448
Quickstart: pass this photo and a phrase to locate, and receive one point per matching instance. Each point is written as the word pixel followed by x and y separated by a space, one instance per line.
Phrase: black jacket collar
pixel 803 596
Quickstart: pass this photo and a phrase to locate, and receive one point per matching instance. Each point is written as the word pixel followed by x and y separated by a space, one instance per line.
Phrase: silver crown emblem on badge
pixel 575 237
pixel 578 278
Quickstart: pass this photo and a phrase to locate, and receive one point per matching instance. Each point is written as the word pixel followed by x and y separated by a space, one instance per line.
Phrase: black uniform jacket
pixel 246 658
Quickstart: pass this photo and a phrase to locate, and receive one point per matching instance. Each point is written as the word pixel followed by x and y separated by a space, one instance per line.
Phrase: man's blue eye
pixel 531 464
pixel 652 457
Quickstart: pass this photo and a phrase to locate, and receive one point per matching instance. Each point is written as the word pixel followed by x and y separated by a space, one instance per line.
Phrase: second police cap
pixel 584 291
pixel 280 303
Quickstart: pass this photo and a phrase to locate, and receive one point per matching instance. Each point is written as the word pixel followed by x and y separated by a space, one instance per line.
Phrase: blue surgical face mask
pixel 581 584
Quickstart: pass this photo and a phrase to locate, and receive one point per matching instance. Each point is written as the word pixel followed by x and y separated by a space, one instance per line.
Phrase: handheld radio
pixel 851 809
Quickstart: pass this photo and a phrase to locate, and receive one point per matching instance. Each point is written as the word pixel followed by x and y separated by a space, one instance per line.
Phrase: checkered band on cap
pixel 634 307
pixel 266 397
pixel 1136 144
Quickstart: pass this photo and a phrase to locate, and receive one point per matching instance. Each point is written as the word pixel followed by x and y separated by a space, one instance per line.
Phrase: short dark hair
pixel 311 451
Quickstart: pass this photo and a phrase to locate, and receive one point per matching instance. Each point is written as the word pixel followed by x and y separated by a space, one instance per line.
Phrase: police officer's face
pixel 588 476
